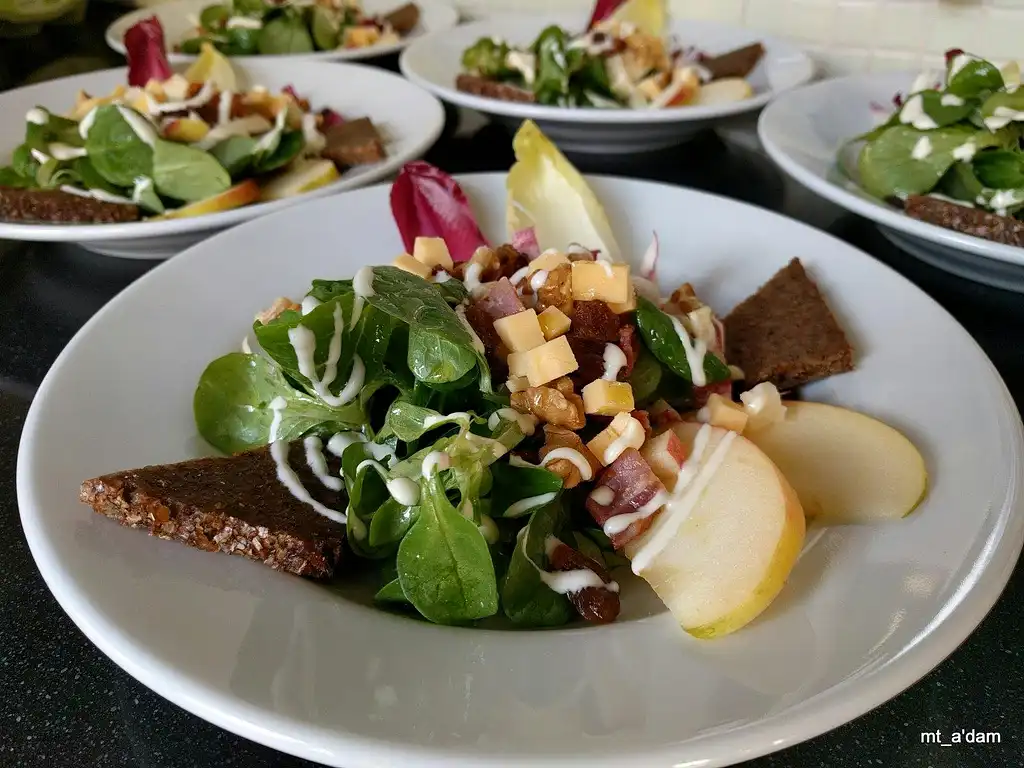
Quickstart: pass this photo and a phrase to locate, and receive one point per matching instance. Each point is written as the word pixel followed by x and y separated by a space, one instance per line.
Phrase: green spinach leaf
pixel 944 113
pixel 514 484
pixel 661 339
pixel 960 183
pixel 999 169
pixel 285 34
pixel 115 150
pixel 391 593
pixel 213 17
pixel 235 153
pixel 551 85
pixel 525 598
pixel 325 290
pixel 646 376
pixel 435 359
pixel 288 148
pixel 974 78
pixel 23 163
pixel 11 178
pixel 410 422
pixel 444 564
pixel 186 173
pixel 367 494
pixel 390 523
pixel 232 405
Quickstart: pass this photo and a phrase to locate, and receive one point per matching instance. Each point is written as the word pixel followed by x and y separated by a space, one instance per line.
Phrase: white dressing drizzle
pixel 573 456
pixel 65 151
pixel 632 434
pixel 405 491
pixel 435 461
pixel 521 507
pixel 914 114
pixel 202 97
pixel 303 341
pixel 309 304
pixel 362 283
pixel 602 495
pixel 472 279
pixel 318 463
pixel 287 476
pixel 695 352
pixel 614 361
pixel 539 278
pixel 478 345
pixel 519 274
pixel 139 125
pixel 922 148
pixel 96 194
pixel 619 523
pixel 39 156
pixel 277 405
pixel 527 421
pixel 693 478
pixel 86 122
pixel 37 116
pixel 224 104
pixel 565 582
pixel 442 277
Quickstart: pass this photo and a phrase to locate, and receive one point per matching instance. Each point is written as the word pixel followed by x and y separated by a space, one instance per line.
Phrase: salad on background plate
pixel 950 153
pixel 171 145
pixel 513 429
pixel 624 59
pixel 269 27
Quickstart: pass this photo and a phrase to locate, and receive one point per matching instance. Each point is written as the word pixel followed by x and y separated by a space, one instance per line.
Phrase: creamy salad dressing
pixel 565 582
pixel 693 478
pixel 277 405
pixel 318 463
pixel 37 116
pixel 86 123
pixel 519 274
pixel 309 303
pixel 442 277
pixel 527 422
pixel 573 456
pixel 922 149
pixel 96 194
pixel 224 104
pixel 913 113
pixel 243 22
pixel 140 126
pixel 614 361
pixel 61 151
pixel 290 480
pixel 951 100
pixel 633 433
pixel 472 279
pixel 602 495
pixel 362 283
pixel 303 342
pixel 523 63
pixel 435 461
pixel 695 353
pixel 539 278
pixel 965 152
pixel 619 523
pixel 405 491
pixel 201 98
pixel 521 507
pixel 1002 117
pixel 478 345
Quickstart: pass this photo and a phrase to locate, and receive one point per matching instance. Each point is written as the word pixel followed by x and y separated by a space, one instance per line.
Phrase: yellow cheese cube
pixel 607 398
pixel 520 332
pixel 433 252
pixel 553 322
pixel 516 383
pixel 548 260
pixel 547 362
pixel 724 413
pixel 360 37
pixel 601 281
pixel 624 432
pixel 516 362
pixel 409 264
pixel 625 306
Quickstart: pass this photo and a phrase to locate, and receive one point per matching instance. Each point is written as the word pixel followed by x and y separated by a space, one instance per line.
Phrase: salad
pixel 248 27
pixel 175 145
pixel 950 152
pixel 624 59
pixel 510 430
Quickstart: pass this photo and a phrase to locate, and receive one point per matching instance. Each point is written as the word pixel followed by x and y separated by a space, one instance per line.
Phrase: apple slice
pixel 722 548
pixel 724 91
pixel 302 176
pixel 241 194
pixel 186 130
pixel 845 467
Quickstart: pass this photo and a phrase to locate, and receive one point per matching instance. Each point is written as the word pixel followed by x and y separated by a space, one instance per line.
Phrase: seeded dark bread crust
pixel 969 221
pixel 52 206
pixel 234 504
pixel 493 89
pixel 785 333
pixel 738 63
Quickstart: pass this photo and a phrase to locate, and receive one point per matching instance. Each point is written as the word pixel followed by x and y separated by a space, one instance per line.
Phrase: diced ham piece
pixel 501 300
pixel 525 241
pixel 594 604
pixel 633 484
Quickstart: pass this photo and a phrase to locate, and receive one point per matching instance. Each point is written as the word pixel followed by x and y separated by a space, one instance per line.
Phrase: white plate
pixel 409 117
pixel 435 61
pixel 804 129
pixel 435 15
pixel 867 611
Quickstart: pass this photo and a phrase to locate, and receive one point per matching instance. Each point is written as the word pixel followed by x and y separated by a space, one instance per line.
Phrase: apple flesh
pixel 241 194
pixel 845 467
pixel 734 547
pixel 724 91
pixel 186 130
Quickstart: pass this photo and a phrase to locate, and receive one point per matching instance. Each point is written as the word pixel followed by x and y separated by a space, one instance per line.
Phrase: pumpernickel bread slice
pixel 785 333
pixel 234 504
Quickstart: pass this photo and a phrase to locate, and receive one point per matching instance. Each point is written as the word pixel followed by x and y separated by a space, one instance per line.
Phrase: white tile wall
pixel 849 35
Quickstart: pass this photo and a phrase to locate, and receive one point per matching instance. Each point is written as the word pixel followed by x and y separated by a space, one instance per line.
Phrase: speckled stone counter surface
pixel 62 703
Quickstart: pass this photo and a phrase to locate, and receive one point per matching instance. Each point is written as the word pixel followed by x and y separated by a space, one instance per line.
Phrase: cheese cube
pixel 521 332
pixel 607 398
pixel 517 383
pixel 433 252
pixel 516 362
pixel 547 260
pixel 409 264
pixel 553 322
pixel 624 432
pixel 720 412
pixel 665 454
pixel 547 362
pixel 625 306
pixel 360 37
pixel 601 281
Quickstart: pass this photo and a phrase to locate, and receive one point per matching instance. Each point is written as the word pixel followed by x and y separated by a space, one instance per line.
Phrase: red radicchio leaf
pixel 952 53
pixel 525 241
pixel 602 10
pixel 330 118
pixel 427 202
pixel 146 52
pixel 897 100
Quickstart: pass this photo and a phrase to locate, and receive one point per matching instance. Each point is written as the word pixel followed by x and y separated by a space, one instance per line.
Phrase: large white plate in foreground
pixel 435 61
pixel 409 117
pixel 867 611
pixel 803 131
pixel 435 15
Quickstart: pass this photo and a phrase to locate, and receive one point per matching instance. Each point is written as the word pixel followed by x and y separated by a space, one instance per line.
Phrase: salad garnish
pixel 624 59
pixel 176 145
pixel 512 434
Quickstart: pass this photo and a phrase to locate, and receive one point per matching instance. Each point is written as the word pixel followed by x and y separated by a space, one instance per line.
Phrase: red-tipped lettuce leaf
pixel 146 52
pixel 427 202
pixel 602 10
pixel 525 241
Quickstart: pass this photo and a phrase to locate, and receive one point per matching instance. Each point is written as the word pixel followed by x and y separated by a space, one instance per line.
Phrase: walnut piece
pixel 551 406
pixel 560 437
pixel 683 301
pixel 557 290
pixel 280 305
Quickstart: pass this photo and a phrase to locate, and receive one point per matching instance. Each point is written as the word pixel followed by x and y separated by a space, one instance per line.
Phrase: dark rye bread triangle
pixel 233 504
pixel 785 333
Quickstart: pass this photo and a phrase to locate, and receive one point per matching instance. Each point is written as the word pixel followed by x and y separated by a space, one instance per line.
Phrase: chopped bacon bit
pixel 645 421
pixel 593 321
pixel 634 484
pixel 501 300
pixel 628 344
pixel 508 261
pixel 594 604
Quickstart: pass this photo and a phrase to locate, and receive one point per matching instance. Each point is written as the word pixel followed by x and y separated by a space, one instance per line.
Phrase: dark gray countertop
pixel 62 703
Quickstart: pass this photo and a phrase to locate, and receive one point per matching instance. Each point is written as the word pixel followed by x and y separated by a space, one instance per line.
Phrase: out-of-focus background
pixel 40 39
